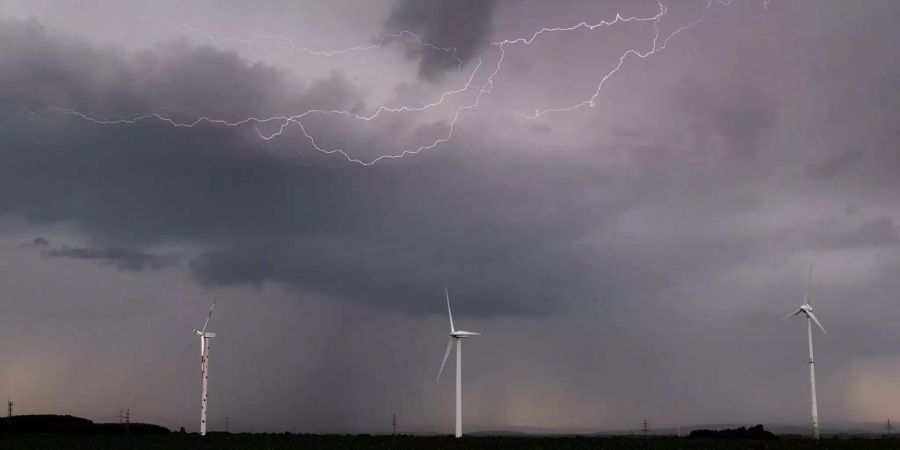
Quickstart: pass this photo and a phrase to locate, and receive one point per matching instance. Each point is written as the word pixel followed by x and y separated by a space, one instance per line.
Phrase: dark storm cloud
pixel 407 251
pixel 465 25
pixel 832 166
pixel 145 182
pixel 370 235
pixel 379 235
pixel 51 70
pixel 37 242
pixel 407 274
pixel 120 257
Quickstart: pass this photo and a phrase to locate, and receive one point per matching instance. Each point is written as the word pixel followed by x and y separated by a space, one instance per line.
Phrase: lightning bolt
pixel 658 44
pixel 656 47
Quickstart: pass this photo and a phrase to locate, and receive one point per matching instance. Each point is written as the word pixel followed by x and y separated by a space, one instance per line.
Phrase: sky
pixel 625 211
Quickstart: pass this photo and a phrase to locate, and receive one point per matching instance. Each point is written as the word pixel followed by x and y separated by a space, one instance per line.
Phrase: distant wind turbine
pixel 456 337
pixel 807 310
pixel 204 366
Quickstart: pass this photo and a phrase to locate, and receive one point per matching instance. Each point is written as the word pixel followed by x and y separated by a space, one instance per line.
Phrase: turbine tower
pixel 204 366
pixel 807 310
pixel 456 337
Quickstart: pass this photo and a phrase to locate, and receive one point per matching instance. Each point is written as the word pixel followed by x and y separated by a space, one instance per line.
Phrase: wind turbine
pixel 807 310
pixel 204 366
pixel 456 337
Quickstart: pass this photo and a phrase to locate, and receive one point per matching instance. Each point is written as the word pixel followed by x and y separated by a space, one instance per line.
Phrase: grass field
pixel 277 441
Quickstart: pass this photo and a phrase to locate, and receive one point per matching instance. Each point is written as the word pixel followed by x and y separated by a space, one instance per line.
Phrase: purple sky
pixel 624 261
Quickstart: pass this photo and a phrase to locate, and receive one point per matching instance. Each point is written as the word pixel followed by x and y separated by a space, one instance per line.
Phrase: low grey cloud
pixel 120 257
pixel 464 25
pixel 832 166
pixel 876 232
pixel 738 113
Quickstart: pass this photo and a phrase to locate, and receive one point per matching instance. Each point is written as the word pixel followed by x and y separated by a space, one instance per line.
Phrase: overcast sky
pixel 628 259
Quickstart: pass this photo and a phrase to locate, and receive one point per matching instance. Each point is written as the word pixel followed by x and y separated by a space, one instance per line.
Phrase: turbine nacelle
pixel 806 309
pixel 463 334
pixel 205 334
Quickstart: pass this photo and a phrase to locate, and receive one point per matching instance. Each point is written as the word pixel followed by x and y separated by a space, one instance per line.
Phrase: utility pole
pixel 9 405
pixel 394 424
pixel 128 421
pixel 644 428
pixel 889 428
pixel 226 424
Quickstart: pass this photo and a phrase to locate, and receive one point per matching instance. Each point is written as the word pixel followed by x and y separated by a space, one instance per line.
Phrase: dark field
pixel 275 441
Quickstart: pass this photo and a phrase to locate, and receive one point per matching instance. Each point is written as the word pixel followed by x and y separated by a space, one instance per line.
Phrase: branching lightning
pixel 659 43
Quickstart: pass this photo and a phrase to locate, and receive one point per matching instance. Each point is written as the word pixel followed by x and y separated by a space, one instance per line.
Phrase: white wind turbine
pixel 807 310
pixel 204 366
pixel 456 337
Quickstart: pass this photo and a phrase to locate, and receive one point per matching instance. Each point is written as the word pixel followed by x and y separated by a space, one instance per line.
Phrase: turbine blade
pixel 806 289
pixel 814 319
pixel 449 313
pixel 208 316
pixel 444 362
pixel 792 314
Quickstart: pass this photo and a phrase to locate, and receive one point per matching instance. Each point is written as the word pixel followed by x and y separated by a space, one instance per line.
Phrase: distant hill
pixel 756 432
pixel 56 424
pixel 502 433
pixel 840 429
